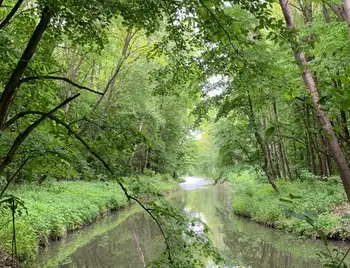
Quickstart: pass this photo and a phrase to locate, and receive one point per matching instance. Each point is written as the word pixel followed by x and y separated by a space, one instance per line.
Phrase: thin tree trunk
pixel 344 123
pixel 347 14
pixel 146 159
pixel 72 73
pixel 325 11
pixel 268 153
pixel 329 163
pixel 261 143
pixel 149 162
pixel 135 146
pixel 283 158
pixel 306 8
pixel 312 158
pixel 284 161
pixel 14 81
pixel 323 157
pixel 321 116
pixel 9 16
pixel 119 65
pixel 275 159
pixel 310 142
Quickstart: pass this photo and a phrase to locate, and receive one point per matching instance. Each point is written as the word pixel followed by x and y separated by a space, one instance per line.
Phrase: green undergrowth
pixel 257 200
pixel 54 208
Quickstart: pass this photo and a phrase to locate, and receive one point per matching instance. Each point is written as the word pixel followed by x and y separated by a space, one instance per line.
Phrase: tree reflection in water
pixel 135 241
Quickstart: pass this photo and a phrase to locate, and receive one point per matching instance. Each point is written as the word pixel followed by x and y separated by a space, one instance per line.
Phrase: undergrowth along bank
pixel 255 199
pixel 55 208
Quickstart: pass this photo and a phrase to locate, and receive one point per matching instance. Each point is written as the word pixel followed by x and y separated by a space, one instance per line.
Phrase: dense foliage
pixel 108 90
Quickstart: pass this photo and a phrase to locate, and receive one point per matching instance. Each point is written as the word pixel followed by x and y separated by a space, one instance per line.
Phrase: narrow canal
pixel 130 238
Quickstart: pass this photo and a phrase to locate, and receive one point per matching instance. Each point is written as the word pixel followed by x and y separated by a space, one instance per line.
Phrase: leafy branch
pixel 48 77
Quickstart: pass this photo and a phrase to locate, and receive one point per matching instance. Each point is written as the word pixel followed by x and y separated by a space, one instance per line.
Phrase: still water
pixel 130 239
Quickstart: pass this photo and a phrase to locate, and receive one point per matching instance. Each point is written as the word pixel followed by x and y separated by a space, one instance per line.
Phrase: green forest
pixel 107 105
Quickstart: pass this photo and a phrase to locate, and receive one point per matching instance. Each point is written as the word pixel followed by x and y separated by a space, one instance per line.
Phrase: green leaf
pixel 270 131
pixel 323 237
pixel 346 217
pixel 285 200
pixel 292 196
pixel 310 213
pixel 295 214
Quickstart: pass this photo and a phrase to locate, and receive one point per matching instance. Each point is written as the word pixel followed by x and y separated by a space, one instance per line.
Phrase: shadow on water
pixel 130 238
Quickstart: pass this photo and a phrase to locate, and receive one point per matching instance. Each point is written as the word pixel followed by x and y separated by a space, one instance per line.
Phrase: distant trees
pixel 113 56
pixel 265 117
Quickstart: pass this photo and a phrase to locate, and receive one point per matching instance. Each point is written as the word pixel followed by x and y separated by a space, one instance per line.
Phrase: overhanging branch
pixel 49 77
pixel 21 137
pixel 104 163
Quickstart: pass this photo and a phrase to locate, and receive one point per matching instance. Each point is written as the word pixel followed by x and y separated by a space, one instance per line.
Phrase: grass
pixel 54 208
pixel 258 201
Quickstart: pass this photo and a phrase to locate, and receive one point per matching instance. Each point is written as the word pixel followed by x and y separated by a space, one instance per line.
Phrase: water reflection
pixel 132 243
pixel 245 243
pixel 131 238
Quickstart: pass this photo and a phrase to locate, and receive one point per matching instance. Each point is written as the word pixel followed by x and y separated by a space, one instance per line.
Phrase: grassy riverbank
pixel 54 208
pixel 257 200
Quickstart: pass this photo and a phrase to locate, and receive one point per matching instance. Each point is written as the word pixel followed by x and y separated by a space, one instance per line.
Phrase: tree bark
pixel 338 10
pixel 347 14
pixel 321 116
pixel 14 82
